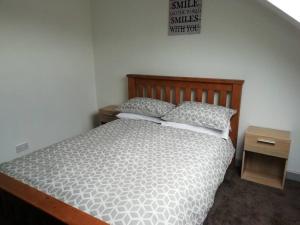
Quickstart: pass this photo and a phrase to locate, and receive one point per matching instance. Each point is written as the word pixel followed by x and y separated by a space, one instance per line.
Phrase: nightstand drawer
pixel 267 145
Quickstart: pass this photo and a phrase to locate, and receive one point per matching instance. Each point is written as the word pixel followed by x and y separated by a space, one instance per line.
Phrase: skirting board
pixel 293 176
pixel 290 175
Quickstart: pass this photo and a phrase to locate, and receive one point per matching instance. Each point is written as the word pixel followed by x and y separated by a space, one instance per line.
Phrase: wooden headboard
pixel 177 89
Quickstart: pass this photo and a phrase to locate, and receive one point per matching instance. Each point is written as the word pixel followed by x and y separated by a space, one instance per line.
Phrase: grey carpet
pixel 239 202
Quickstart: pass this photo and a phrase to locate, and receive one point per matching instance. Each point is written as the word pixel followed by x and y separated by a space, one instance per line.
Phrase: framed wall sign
pixel 184 17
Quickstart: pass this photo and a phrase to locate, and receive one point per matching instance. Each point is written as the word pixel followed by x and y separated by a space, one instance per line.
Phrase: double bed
pixel 127 171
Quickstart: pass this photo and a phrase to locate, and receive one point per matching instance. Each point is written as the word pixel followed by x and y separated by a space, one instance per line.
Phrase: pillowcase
pixel 147 107
pixel 218 133
pixel 133 116
pixel 200 114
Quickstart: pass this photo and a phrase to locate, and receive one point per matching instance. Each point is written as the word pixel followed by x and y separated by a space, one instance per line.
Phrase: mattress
pixel 131 172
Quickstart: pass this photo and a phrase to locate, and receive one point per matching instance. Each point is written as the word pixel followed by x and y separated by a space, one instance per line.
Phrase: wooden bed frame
pixel 22 204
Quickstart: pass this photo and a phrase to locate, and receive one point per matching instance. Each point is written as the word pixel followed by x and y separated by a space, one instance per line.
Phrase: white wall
pixel 47 90
pixel 240 39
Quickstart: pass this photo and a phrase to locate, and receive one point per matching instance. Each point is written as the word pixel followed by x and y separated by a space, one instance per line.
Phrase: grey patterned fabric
pixel 131 172
pixel 147 107
pixel 199 114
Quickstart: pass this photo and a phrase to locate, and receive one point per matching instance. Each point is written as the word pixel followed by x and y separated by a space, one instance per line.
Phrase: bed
pixel 127 171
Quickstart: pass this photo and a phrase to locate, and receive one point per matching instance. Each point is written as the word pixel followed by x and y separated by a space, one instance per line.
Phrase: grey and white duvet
pixel 131 172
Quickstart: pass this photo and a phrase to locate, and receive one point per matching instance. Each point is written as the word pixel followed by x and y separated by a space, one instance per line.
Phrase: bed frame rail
pixel 21 204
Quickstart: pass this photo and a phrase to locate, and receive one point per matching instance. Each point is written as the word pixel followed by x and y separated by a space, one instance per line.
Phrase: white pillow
pixel 133 116
pixel 222 134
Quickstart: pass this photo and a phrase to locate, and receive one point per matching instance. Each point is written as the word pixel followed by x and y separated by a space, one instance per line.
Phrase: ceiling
pixel 288 9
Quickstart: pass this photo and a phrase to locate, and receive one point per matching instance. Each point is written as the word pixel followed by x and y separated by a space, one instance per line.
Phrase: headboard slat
pixel 187 94
pixel 199 94
pixel 168 94
pixel 223 98
pixel 177 95
pixel 140 91
pixel 173 86
pixel 149 91
pixel 210 96
pixel 158 92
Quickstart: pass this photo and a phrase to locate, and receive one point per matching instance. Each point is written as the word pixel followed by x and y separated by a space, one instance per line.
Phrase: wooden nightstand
pixel 265 156
pixel 107 114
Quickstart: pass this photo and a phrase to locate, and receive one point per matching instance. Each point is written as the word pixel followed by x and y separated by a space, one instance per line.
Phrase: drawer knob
pixel 265 141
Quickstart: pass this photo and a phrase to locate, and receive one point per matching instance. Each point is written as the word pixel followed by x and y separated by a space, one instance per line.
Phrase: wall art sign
pixel 184 17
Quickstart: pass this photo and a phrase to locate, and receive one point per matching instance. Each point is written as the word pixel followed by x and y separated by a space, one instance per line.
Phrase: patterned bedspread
pixel 131 172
